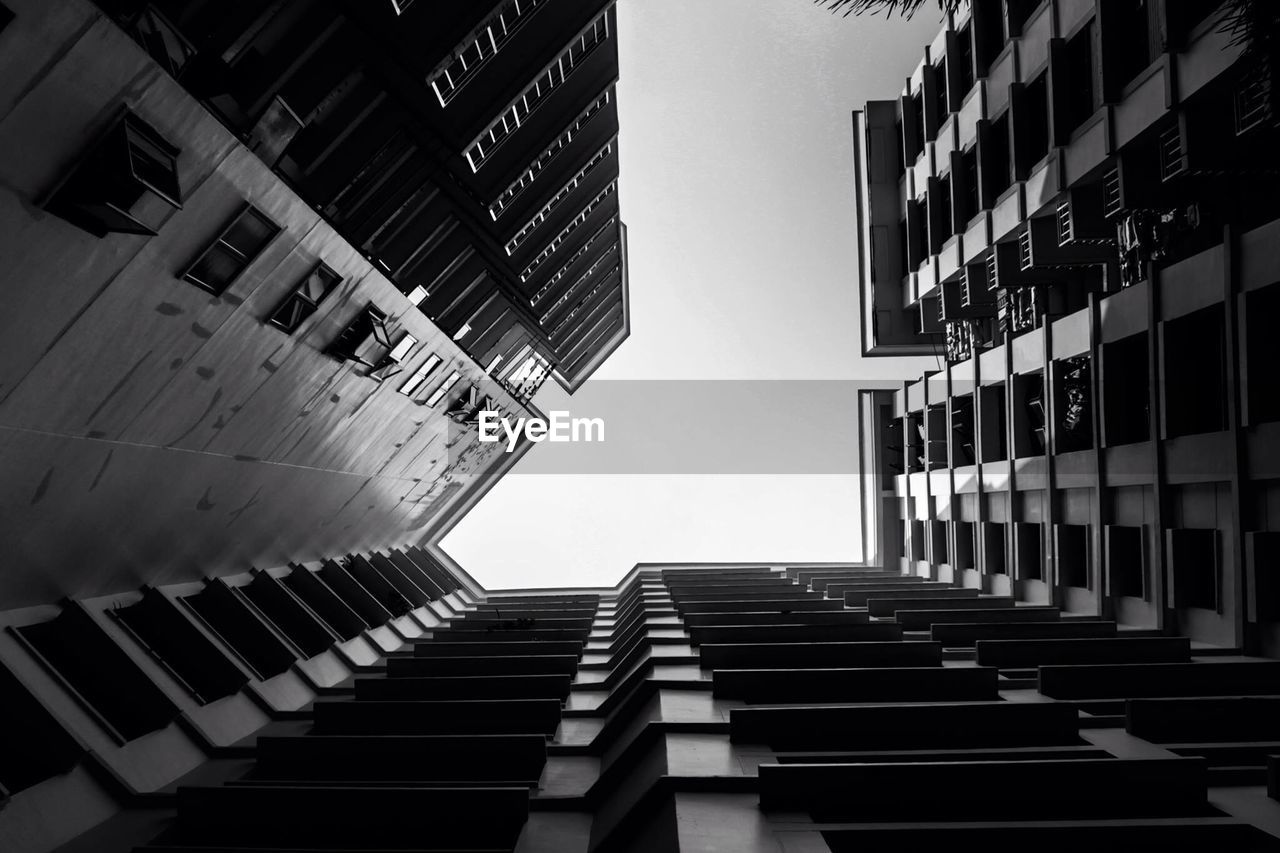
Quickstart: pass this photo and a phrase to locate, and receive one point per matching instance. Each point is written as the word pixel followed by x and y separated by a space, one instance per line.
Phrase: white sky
pixel 737 189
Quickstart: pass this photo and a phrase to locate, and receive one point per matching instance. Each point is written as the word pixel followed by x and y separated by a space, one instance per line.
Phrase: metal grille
pixel 1065 232
pixel 1253 99
pixel 992 278
pixel 1172 160
pixel 1112 193
pixel 1024 248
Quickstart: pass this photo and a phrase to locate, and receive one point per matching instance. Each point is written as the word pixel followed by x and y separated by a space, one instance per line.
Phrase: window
pixel 467 408
pixel 968 198
pixel 1028 562
pixel 303 300
pixel 993 548
pixel 227 616
pixel 988 35
pixel 1127 47
pixel 1196 570
pixel 1195 373
pixel 160 38
pixel 389 364
pixel 962 437
pixel 186 653
pixel 438 394
pixel 414 382
pixel 363 337
pixel 1032 130
pixel 1124 390
pixel 1020 12
pixel 939 200
pixel 1072 543
pixel 1029 430
pixel 568 294
pixel 1126 567
pixel 478 47
pixel 232 252
pixel 79 653
pixel 1073 404
pixel 964 59
pixel 530 173
pixel 573 259
pixel 537 93
pixel 130 162
pixel 1079 78
pixel 577 221
pixel 914 128
pixel 38 749
pixel 997 174
pixel 1261 306
pixel 565 191
pixel 940 105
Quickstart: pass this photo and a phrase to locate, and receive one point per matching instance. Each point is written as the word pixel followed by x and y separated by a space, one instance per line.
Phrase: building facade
pixel 268 262
pixel 384 701
pixel 1069 205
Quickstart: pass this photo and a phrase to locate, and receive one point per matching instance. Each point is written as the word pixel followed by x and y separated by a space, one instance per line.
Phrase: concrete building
pixel 266 263
pixel 264 259
pixel 385 701
pixel 1082 227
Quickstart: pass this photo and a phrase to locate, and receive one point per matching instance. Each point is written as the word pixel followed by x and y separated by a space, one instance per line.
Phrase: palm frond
pixel 1253 25
pixel 903 8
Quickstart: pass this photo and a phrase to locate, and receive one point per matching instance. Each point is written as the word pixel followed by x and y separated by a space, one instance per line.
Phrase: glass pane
pixel 317 284
pixel 401 350
pixel 250 232
pixel 290 315
pixel 152 165
pixel 443 389
pixel 216 269
pixel 414 382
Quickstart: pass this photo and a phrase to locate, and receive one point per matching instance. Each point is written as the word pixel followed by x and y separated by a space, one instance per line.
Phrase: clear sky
pixel 737 189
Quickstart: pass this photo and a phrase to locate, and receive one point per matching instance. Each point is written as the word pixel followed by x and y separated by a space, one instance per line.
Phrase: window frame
pixel 247 209
pixel 443 389
pixel 295 296
pixel 420 376
pixel 105 173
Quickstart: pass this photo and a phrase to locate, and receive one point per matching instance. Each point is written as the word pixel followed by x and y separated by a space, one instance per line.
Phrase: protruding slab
pixel 968 633
pixel 390 758
pixel 506 716
pixel 988 790
pixel 351 818
pixel 1143 680
pixel 819 655
pixel 1026 653
pixel 872 684
pixel 938 726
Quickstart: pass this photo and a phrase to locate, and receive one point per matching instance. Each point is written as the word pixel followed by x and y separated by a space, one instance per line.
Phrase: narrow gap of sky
pixel 737 189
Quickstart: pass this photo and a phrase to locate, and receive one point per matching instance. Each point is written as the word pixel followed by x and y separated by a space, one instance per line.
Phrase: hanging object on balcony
pixel 1148 235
